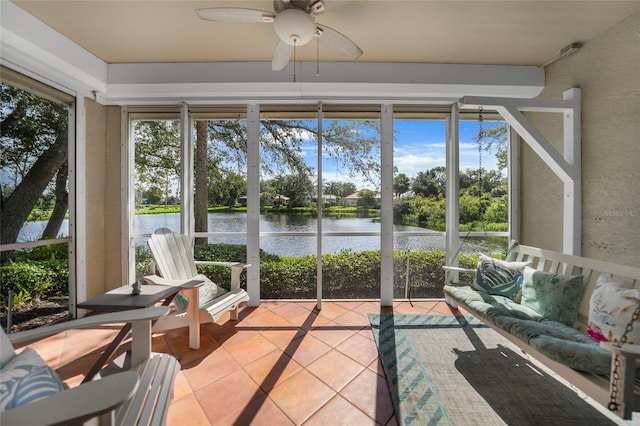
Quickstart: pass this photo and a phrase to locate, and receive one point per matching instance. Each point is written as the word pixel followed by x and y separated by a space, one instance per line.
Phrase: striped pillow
pixel 27 378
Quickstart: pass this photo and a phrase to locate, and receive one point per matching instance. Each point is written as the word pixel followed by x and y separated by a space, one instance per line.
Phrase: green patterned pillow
pixel 208 290
pixel 555 297
pixel 499 277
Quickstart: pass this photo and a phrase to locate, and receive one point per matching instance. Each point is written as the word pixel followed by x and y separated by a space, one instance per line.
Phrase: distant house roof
pixel 356 194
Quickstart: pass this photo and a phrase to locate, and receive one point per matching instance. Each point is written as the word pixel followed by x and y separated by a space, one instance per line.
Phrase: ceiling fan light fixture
pixel 295 27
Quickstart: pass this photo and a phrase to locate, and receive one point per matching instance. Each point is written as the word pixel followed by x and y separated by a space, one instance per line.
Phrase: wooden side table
pixel 121 299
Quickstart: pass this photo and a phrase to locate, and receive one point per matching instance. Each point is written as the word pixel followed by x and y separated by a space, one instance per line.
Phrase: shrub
pixel 345 275
pixel 33 280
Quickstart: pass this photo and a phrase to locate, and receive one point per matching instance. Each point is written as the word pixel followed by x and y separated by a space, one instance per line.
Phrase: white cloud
pixel 411 164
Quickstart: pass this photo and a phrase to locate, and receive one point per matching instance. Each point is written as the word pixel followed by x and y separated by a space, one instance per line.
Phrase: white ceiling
pixel 419 31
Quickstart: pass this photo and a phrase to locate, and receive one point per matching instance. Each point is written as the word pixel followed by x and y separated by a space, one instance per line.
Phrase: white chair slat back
pixel 173 254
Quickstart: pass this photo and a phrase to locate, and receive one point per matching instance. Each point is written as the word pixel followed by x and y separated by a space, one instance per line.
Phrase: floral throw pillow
pixel 611 308
pixel 499 277
pixel 556 297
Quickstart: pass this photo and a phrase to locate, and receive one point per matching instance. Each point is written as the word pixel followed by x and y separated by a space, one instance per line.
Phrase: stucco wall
pixel 95 187
pixel 607 70
pixel 115 258
pixel 103 157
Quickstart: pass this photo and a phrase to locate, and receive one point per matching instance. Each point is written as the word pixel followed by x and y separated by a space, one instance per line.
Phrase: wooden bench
pixel 140 396
pixel 597 386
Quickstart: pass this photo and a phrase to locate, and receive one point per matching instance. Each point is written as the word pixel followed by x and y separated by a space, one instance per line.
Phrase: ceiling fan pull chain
pixel 317 56
pixel 294 61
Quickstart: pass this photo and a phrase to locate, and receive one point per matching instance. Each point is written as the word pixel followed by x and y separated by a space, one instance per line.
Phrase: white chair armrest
pixel 225 264
pixel 458 269
pixel 158 280
pixel 133 315
pixel 236 270
pixel 75 405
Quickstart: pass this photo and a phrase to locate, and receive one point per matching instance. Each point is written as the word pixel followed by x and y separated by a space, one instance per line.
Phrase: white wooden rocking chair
pixel 207 302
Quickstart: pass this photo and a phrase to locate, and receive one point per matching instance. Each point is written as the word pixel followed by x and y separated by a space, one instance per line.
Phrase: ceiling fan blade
pixel 281 56
pixel 234 14
pixel 339 43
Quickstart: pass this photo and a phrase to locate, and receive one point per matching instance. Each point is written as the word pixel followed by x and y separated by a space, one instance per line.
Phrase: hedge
pixel 345 275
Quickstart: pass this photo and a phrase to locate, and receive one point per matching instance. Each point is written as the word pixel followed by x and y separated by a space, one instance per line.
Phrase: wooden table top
pixel 121 299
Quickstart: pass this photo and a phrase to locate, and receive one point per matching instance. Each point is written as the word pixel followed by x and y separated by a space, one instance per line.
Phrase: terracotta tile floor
pixel 283 363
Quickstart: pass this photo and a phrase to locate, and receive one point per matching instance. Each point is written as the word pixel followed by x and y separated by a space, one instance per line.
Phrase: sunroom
pixel 559 81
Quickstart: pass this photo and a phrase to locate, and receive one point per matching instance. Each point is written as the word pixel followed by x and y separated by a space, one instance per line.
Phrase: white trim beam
pixel 452 234
pixel 186 165
pixel 386 205
pixel 320 207
pixel 537 142
pixel 339 81
pixel 513 165
pixel 253 203
pixel 572 239
pixel 78 221
pixel 566 166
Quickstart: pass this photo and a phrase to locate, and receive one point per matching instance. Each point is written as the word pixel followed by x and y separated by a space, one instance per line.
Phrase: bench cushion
pixel 557 341
pixel 490 306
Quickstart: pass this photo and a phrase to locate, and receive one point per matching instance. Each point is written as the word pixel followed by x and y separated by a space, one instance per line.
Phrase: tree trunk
pixel 62 204
pixel 17 206
pixel 201 185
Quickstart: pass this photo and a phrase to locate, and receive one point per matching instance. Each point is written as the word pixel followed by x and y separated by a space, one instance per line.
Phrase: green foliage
pixel 48 252
pixel 470 209
pixel 401 184
pixel 226 253
pixel 156 209
pixel 33 280
pixel 39 214
pixel 498 210
pixel 430 182
pixel 351 275
pixel 425 212
pixel 345 275
pixel 367 199
pixel 426 276
pixel 339 189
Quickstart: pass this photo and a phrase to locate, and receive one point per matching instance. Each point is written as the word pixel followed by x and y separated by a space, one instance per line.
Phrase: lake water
pixel 298 245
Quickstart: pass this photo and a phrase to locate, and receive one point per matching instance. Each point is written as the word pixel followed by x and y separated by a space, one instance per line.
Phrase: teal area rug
pixel 454 370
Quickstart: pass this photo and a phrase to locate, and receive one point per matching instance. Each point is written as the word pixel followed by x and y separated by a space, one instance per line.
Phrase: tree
pixel 401 184
pixel 201 193
pixel 339 189
pixel 226 189
pixel 154 195
pixel 495 136
pixel 298 188
pixel 34 149
pixel 498 210
pixel 367 199
pixel 353 144
pixel 430 183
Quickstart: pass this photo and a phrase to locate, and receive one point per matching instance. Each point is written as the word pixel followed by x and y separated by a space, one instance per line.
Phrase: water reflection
pixel 299 245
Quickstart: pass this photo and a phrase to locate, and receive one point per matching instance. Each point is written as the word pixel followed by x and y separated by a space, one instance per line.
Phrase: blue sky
pixel 419 145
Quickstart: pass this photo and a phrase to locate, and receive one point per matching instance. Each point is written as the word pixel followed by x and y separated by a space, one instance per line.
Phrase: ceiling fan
pixel 295 24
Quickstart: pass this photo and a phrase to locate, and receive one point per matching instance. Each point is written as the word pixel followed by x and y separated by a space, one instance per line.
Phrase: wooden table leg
pixel 108 352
